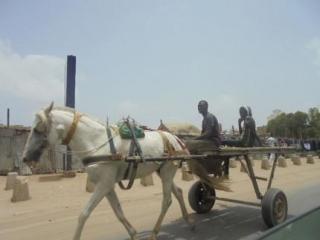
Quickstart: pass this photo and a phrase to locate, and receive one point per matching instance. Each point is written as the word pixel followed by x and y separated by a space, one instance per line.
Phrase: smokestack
pixel 70 99
pixel 70 81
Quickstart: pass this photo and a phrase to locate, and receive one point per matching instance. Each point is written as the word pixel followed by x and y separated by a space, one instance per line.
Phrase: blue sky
pixel 155 60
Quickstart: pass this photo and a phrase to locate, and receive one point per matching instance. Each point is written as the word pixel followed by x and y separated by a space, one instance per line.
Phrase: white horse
pixel 88 137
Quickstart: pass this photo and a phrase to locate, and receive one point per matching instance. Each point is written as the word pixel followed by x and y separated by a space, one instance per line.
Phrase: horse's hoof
pixel 192 223
pixel 133 234
pixel 153 237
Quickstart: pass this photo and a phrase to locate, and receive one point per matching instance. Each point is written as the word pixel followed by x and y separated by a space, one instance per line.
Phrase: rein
pixel 95 149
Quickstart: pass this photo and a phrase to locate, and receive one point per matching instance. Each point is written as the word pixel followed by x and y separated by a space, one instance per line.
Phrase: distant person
pixel 242 118
pixel 307 146
pixel 282 142
pixel 272 142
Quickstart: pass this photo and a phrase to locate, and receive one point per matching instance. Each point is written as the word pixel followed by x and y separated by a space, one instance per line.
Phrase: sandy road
pixel 56 203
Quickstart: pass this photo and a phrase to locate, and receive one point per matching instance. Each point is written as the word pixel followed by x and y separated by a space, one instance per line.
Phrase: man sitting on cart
pixel 209 140
pixel 247 130
pixel 210 134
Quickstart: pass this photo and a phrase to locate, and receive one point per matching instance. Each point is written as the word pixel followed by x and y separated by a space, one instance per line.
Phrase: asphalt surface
pixel 236 222
pixel 232 222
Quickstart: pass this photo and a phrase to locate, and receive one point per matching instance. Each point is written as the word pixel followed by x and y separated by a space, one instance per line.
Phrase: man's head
pixel 203 107
pixel 243 111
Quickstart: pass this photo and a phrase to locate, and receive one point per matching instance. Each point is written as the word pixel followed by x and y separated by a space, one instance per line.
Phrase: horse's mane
pixel 72 110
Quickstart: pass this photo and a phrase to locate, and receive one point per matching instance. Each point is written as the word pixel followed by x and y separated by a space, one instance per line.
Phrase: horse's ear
pixel 39 123
pixel 48 109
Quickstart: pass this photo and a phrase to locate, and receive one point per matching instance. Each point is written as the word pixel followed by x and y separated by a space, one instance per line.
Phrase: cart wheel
pixel 201 197
pixel 274 207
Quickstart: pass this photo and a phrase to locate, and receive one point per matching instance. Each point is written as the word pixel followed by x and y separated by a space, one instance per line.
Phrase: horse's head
pixel 38 137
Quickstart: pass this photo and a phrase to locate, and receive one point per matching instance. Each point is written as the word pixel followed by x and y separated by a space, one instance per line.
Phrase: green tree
pixel 300 120
pixel 295 125
pixel 314 123
pixel 278 126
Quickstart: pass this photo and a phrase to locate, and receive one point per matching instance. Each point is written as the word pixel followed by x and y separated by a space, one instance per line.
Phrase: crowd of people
pixel 303 144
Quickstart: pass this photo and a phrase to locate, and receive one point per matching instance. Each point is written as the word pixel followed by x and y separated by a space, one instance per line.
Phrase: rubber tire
pixel 197 200
pixel 272 197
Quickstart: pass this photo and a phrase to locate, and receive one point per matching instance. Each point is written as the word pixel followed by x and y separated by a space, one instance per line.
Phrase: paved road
pixel 235 222
pixel 300 201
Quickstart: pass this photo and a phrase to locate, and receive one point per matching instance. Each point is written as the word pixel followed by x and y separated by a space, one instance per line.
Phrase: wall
pixel 12 141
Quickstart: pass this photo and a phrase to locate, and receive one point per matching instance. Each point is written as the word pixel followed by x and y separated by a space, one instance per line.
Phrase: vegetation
pixel 299 125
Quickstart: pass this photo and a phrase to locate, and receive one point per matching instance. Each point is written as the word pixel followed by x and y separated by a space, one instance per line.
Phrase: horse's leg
pixel 179 196
pixel 177 192
pixel 100 191
pixel 166 174
pixel 115 204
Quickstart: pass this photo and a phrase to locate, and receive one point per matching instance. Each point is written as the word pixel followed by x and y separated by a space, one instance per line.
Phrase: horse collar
pixel 72 129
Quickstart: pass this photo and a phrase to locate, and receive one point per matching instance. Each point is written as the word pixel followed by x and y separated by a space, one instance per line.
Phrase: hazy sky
pixel 155 60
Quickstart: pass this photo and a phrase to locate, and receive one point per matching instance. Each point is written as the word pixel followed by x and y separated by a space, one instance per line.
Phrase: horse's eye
pixel 39 133
pixel 45 142
pixel 36 131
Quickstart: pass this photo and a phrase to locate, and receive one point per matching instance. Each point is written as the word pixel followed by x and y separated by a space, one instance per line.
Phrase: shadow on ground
pixel 231 223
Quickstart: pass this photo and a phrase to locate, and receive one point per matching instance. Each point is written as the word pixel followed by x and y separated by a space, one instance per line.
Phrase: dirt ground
pixel 56 202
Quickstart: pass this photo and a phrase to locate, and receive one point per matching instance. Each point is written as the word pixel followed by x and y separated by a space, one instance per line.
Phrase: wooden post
pixel 252 160
pixel 265 164
pixel 11 178
pixel 310 159
pixel 20 190
pixel 186 175
pixel 233 163
pixel 147 181
pixel 296 160
pixel 282 162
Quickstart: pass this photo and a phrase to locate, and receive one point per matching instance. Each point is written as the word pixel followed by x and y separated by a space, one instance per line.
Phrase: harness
pixel 72 129
pixel 134 150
